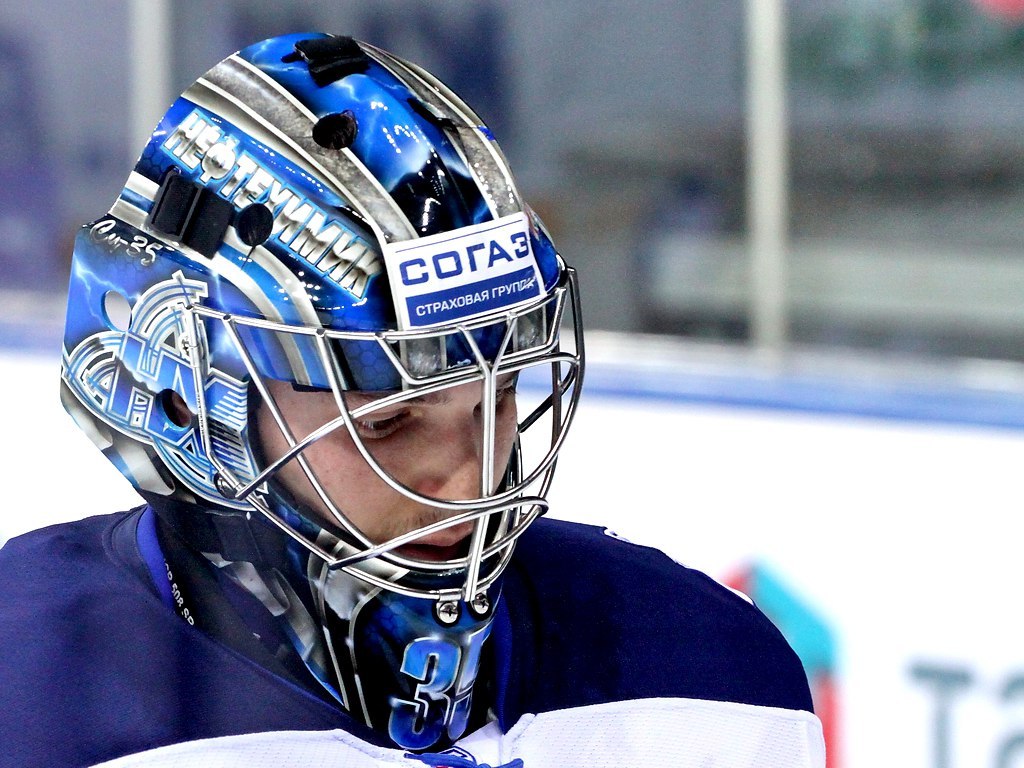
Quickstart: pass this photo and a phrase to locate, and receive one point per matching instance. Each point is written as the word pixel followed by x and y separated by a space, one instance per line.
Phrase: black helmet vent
pixel 254 224
pixel 331 58
pixel 335 131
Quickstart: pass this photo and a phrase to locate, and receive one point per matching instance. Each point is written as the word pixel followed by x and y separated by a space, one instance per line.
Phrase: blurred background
pixel 800 231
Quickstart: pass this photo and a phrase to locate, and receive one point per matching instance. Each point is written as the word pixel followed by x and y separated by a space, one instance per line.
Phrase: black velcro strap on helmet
pixel 232 535
pixel 331 58
pixel 190 213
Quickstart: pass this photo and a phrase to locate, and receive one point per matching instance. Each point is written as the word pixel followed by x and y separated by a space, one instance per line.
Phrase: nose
pixel 461 481
pixel 452 466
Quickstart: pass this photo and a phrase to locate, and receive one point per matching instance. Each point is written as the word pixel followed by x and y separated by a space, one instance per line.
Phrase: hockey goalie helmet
pixel 317 221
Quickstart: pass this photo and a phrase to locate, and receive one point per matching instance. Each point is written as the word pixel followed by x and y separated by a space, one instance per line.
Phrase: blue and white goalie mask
pixel 320 299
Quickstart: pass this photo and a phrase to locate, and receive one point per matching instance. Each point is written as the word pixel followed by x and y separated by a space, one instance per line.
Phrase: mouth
pixel 449 544
pixel 432 552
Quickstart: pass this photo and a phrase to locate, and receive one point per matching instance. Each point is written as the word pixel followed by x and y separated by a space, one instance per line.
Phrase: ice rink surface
pixel 902 535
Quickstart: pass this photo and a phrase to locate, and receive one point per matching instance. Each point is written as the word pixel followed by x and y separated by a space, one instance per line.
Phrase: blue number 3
pixel 443 694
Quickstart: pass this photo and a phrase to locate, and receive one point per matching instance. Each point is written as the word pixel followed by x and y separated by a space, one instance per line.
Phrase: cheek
pixel 336 461
pixel 270 441
pixel 328 456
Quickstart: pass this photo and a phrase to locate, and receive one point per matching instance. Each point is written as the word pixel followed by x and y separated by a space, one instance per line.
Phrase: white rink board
pixel 905 537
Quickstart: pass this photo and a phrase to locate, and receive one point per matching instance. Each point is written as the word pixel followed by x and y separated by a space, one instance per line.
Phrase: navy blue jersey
pixel 97 666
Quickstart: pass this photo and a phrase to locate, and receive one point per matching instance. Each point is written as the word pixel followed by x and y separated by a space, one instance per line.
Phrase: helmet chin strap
pixel 235 536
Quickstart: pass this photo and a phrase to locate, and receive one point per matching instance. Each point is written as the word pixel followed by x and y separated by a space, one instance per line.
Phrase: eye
pixel 377 427
pixel 505 395
pixel 506 390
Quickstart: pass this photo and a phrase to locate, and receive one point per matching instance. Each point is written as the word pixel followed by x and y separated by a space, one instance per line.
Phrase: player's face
pixel 432 444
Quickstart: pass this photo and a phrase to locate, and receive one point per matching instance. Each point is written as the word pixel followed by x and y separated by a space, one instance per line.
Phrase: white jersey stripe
pixel 647 733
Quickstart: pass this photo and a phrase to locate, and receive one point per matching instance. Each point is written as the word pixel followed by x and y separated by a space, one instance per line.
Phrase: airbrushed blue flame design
pixel 394 142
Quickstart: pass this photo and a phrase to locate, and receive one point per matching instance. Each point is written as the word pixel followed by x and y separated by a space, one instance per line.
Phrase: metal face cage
pixel 524 344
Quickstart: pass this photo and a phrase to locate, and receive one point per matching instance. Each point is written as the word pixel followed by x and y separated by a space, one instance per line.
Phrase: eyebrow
pixel 364 397
pixel 440 397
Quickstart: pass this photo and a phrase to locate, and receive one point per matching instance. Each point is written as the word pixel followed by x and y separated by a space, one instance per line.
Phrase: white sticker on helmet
pixel 452 276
